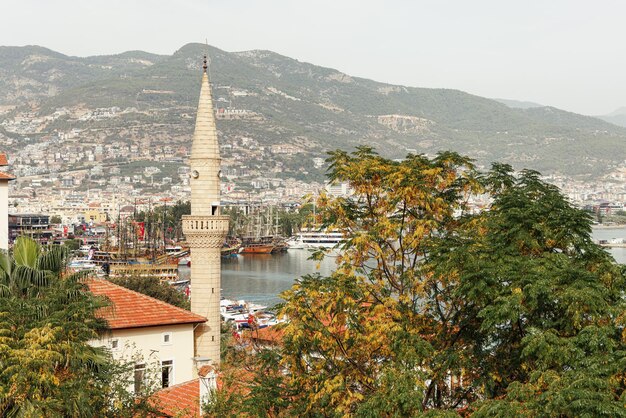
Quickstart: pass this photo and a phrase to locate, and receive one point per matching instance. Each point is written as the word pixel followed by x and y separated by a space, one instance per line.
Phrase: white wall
pixel 145 345
pixel 4 215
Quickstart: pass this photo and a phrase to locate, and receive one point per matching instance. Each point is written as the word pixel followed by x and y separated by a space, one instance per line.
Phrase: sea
pixel 261 278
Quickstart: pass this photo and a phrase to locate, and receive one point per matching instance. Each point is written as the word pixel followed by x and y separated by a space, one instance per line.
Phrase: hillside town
pixel 81 175
pixel 78 160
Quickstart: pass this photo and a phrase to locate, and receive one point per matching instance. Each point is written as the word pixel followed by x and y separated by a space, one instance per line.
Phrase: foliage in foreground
pixel 437 311
pixel 154 287
pixel 47 317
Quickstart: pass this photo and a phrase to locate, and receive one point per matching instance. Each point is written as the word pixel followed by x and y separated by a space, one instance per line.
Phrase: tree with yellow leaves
pixel 47 318
pixel 436 310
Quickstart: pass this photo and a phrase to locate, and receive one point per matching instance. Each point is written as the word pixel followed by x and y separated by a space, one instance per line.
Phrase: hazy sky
pixel 564 53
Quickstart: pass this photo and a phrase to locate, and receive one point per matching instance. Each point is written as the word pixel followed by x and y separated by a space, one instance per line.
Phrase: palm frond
pixel 25 277
pixel 26 252
pixel 54 259
pixel 5 262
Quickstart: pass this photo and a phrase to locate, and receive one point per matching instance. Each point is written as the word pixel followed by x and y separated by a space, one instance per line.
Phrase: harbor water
pixel 608 233
pixel 260 278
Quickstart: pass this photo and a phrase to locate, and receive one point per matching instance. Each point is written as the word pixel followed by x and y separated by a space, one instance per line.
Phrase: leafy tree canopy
pixel 47 318
pixel 154 287
pixel 435 309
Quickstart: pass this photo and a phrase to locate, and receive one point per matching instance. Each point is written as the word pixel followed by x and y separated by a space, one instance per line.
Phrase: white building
pixel 339 189
pixel 4 204
pixel 155 335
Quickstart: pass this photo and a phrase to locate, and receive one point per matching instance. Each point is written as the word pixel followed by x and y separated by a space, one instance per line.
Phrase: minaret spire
pixel 205 229
pixel 205 152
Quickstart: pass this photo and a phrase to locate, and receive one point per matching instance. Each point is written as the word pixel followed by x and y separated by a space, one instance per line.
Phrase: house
pixel 151 333
pixel 148 332
pixel 4 204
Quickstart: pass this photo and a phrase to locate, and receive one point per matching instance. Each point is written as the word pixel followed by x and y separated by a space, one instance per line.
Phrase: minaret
pixel 205 229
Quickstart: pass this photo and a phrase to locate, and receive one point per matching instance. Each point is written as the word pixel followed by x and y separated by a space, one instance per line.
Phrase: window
pixel 140 376
pixel 166 338
pixel 115 344
pixel 167 373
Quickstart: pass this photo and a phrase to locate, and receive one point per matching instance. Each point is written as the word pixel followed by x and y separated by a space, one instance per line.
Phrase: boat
pixel 261 319
pixel 165 272
pixel 242 314
pixel 280 245
pixel 228 252
pixel 256 249
pixel 238 310
pixel 81 264
pixel 261 232
pixel 252 245
pixel 313 238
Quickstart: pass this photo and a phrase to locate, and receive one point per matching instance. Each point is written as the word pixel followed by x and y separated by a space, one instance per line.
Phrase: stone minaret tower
pixel 205 229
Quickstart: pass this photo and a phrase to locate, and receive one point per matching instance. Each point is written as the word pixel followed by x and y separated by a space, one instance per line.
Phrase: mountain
pixel 281 100
pixel 517 104
pixel 617 117
pixel 34 72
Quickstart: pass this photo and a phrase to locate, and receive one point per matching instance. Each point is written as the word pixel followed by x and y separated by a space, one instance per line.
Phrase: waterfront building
pixel 205 229
pixel 33 225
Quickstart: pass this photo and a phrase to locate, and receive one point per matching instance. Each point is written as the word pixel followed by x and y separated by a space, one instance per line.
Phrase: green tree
pixel 47 317
pixel 154 287
pixel 548 303
pixel 163 220
pixel 72 244
pixel 292 221
pixel 434 309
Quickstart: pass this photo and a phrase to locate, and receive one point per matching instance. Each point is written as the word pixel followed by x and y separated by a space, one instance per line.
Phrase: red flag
pixel 141 230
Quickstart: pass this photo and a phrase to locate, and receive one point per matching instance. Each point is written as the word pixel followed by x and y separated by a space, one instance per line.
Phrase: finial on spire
pixel 204 66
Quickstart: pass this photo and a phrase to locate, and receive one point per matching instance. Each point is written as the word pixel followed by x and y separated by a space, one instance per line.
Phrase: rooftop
pixel 132 309
pixel 182 400
pixel 267 335
pixel 6 176
pixel 3 159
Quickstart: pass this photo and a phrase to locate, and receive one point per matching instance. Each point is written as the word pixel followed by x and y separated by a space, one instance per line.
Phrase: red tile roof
pixel 131 309
pixel 205 370
pixel 271 335
pixel 5 176
pixel 182 400
pixel 3 159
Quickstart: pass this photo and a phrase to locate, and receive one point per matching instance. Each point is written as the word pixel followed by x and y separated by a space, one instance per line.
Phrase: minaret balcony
pixel 205 230
pixel 193 223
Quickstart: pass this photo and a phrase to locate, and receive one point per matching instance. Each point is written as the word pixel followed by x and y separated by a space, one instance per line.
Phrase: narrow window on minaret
pixel 214 210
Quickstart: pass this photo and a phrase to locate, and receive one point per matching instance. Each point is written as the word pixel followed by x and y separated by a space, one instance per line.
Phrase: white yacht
pixel 312 238
pixel 82 264
pixel 238 310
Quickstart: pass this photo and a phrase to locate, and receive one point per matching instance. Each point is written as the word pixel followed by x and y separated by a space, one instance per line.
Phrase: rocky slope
pixel 279 100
